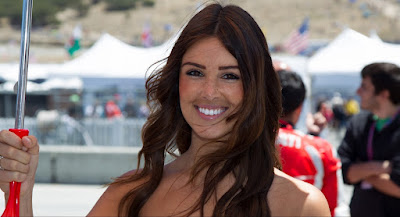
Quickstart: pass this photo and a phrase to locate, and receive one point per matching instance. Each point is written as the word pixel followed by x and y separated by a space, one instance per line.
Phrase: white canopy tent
pixel 39 79
pixel 107 58
pixel 48 85
pixel 336 68
pixel 112 58
pixel 350 52
pixel 109 65
pixel 10 71
pixel 39 88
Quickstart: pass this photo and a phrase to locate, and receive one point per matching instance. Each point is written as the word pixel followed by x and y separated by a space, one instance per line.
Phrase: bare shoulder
pixel 108 203
pixel 300 198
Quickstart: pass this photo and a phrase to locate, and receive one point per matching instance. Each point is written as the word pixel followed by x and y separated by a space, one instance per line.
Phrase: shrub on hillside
pixel 120 5
pixel 11 10
pixel 148 3
pixel 43 12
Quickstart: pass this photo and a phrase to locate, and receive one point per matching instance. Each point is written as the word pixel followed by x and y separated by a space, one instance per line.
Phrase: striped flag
pixel 298 39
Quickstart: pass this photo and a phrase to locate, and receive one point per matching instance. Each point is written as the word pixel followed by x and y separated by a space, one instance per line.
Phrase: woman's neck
pixel 198 148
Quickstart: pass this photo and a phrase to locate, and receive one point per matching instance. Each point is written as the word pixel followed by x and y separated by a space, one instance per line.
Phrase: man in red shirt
pixel 306 157
pixel 112 110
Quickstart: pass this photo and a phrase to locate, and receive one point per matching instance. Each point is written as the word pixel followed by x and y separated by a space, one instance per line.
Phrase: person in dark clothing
pixel 131 109
pixel 370 150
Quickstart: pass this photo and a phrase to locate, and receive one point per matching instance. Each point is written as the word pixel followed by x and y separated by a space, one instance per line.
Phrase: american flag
pixel 298 39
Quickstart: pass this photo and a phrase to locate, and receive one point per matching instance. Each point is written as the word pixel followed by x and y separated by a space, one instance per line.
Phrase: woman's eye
pixel 231 76
pixel 194 73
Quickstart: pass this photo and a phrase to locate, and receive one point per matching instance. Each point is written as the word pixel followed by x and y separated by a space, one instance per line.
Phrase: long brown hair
pixel 249 153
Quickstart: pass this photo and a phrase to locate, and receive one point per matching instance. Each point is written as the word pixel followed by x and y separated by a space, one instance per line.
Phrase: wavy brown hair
pixel 248 153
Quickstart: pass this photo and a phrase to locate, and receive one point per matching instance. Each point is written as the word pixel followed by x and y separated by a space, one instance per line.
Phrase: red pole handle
pixel 12 207
pixel 20 132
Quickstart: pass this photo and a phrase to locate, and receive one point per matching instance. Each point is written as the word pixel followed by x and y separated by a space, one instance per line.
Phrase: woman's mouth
pixel 210 113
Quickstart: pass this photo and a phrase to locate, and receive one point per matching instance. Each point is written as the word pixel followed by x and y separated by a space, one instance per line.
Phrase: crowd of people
pixel 111 109
pixel 228 114
pixel 337 110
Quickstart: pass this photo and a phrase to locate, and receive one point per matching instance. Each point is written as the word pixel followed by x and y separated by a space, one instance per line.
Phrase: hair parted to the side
pixel 249 152
pixel 384 76
pixel 293 91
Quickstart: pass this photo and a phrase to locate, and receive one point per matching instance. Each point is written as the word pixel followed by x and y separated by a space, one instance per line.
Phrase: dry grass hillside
pixel 276 17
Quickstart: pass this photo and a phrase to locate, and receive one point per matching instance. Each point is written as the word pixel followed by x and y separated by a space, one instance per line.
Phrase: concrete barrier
pixel 84 164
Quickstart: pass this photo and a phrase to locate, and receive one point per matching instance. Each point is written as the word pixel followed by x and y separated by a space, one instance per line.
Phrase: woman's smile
pixel 210 112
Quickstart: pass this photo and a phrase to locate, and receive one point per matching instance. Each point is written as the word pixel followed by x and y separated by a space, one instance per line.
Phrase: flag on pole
pixel 298 39
pixel 73 44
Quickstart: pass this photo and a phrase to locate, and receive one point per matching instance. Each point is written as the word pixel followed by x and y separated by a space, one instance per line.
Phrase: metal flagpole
pixel 12 207
pixel 23 63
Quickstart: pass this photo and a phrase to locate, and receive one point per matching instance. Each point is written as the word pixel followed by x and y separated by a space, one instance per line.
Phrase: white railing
pixel 100 132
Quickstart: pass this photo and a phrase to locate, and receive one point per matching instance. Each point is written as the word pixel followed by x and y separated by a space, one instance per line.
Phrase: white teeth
pixel 210 111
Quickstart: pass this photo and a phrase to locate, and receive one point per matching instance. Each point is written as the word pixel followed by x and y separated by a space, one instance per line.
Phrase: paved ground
pixel 63 200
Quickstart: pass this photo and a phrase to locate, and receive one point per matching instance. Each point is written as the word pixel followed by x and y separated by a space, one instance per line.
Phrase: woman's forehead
pixel 211 50
pixel 205 45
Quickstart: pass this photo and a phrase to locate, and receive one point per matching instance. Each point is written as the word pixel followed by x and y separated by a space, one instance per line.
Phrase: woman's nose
pixel 210 89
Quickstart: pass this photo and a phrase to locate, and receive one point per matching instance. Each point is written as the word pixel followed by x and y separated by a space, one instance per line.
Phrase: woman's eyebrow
pixel 228 67
pixel 193 64
pixel 203 67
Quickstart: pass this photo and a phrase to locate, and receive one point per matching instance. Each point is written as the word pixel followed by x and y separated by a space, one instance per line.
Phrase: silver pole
pixel 23 64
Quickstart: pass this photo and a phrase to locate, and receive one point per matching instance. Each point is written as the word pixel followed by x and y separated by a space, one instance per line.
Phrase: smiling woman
pixel 216 103
pixel 217 100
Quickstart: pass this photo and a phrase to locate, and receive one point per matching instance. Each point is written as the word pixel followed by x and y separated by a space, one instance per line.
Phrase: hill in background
pixel 277 18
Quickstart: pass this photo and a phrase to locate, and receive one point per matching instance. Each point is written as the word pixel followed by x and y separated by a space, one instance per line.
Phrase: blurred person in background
pixel 352 107
pixel 131 108
pixel 339 112
pixel 370 150
pixel 112 109
pixel 306 157
pixel 96 110
pixel 316 123
pixel 324 108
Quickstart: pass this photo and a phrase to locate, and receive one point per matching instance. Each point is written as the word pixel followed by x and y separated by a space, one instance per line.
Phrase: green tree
pixel 43 12
pixel 120 5
pixel 148 3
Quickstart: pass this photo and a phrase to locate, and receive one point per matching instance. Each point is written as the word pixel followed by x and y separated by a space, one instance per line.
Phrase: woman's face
pixel 210 89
